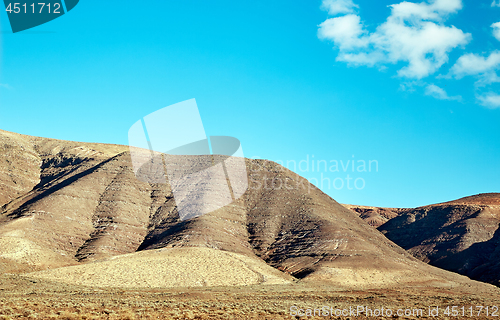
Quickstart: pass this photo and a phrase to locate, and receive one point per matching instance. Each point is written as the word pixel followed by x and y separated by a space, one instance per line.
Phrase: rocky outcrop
pixel 375 216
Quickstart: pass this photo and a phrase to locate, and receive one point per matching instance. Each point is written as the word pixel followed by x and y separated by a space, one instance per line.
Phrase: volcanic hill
pixel 74 212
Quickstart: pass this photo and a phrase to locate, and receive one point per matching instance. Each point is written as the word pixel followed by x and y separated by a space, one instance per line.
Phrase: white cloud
pixel 472 64
pixel 413 33
pixel 335 7
pixel 425 11
pixel 484 68
pixel 345 31
pixel 490 100
pixel 416 37
pixel 439 93
pixel 496 30
pixel 6 86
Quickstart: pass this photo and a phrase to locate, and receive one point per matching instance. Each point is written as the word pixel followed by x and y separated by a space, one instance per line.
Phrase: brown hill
pixel 77 208
pixel 375 216
pixel 461 236
pixel 481 199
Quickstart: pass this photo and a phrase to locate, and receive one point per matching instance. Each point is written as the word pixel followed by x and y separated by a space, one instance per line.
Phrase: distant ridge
pixel 481 199
pixel 461 235
pixel 375 216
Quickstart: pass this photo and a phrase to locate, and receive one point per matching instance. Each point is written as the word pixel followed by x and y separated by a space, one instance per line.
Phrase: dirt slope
pixel 462 235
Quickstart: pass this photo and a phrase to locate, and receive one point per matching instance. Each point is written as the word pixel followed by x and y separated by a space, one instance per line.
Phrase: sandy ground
pixel 163 268
pixel 26 298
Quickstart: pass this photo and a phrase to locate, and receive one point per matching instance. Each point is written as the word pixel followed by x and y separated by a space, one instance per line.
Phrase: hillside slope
pixel 461 236
pixel 82 206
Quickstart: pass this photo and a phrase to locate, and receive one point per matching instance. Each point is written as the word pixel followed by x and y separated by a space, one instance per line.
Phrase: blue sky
pixel 413 86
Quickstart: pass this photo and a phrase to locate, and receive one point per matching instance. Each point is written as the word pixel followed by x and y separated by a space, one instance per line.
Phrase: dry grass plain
pixel 23 297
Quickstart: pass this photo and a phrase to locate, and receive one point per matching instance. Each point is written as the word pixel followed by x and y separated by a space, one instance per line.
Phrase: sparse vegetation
pixel 53 300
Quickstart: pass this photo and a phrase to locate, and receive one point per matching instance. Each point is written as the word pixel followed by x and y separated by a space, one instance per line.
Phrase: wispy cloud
pixel 346 32
pixel 6 86
pixel 495 3
pixel 496 30
pixel 414 33
pixel 483 68
pixel 473 64
pixel 439 93
pixel 335 7
pixel 490 100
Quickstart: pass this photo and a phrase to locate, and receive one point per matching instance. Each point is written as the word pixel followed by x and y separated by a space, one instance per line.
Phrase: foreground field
pixel 23 297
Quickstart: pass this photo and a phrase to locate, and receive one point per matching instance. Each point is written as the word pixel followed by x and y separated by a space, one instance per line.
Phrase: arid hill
pixel 375 216
pixel 461 236
pixel 75 212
